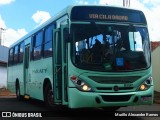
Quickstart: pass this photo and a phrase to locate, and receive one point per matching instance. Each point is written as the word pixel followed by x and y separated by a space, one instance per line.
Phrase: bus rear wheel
pixel 19 97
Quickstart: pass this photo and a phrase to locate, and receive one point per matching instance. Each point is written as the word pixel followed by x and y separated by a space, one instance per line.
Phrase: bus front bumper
pixel 79 99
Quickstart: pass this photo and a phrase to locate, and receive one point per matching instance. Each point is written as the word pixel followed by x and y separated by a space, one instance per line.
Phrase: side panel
pixel 39 70
pixel 10 82
pixel 15 72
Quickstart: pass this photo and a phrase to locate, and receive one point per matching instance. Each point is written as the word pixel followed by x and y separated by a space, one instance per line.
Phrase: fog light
pixel 146 98
pixel 142 87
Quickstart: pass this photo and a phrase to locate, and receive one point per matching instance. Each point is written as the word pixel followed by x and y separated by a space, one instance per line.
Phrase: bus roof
pixel 52 19
pixel 65 11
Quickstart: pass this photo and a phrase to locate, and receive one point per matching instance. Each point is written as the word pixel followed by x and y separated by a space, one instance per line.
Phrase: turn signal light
pixel 73 78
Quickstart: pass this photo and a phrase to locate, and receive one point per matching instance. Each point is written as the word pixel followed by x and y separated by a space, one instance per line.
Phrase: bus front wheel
pixel 49 97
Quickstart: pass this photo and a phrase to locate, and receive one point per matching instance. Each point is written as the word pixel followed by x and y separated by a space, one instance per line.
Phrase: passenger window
pixel 37 45
pixel 48 41
pixel 21 51
pixel 11 57
pixel 16 55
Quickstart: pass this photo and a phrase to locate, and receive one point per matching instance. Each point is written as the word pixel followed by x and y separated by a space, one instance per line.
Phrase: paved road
pixel 8 104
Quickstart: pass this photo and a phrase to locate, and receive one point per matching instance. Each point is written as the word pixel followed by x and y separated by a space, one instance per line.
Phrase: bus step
pixel 26 96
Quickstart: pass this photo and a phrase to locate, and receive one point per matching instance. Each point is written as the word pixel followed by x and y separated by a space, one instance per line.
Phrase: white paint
pixel 3 76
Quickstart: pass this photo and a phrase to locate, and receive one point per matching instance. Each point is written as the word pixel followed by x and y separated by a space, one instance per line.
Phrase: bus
pixel 87 56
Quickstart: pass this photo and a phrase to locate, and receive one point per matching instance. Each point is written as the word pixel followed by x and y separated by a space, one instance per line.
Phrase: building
pixel 154 45
pixel 3 65
pixel 156 65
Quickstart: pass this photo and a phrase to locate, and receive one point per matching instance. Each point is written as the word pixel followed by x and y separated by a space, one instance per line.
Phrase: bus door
pixel 60 65
pixel 26 69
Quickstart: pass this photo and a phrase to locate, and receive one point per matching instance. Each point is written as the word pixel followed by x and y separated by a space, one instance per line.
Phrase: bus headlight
pixel 80 84
pixel 146 84
pixel 143 87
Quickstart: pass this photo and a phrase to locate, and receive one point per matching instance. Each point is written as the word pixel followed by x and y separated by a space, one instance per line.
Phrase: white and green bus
pixel 86 56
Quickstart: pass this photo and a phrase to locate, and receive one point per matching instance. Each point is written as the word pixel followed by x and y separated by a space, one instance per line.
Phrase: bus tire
pixel 19 97
pixel 49 97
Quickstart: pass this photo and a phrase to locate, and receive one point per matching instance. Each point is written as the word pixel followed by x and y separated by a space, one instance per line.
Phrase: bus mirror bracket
pixel 67 35
pixel 68 39
pixel 131 28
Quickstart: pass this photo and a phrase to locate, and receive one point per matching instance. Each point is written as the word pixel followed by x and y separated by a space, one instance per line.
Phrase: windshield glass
pixel 110 47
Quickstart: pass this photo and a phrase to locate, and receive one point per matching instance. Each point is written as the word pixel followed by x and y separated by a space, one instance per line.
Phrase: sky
pixel 19 17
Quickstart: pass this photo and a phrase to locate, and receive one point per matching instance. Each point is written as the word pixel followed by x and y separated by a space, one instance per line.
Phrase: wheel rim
pixel 50 98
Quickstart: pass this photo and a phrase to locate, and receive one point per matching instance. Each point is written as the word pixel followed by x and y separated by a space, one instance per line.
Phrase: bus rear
pixel 109 58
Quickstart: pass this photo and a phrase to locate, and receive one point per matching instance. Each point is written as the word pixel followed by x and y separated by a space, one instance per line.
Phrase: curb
pixel 7 96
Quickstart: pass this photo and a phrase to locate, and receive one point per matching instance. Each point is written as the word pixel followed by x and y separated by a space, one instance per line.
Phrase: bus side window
pixel 21 50
pixel 37 45
pixel 48 36
pixel 11 57
pixel 16 55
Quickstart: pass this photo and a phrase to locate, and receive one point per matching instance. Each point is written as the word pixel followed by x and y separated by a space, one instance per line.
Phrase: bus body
pixel 86 56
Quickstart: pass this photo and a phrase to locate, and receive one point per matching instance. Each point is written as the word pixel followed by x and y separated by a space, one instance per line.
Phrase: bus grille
pixel 116 98
pixel 111 88
pixel 114 80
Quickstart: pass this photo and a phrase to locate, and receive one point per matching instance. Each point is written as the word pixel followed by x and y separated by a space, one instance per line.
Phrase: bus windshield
pixel 110 47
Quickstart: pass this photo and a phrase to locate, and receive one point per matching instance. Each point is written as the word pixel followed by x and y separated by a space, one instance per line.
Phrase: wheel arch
pixel 17 82
pixel 18 90
pixel 45 83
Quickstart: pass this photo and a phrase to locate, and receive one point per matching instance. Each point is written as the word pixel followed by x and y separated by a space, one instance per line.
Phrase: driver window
pixel 90 50
pixel 135 40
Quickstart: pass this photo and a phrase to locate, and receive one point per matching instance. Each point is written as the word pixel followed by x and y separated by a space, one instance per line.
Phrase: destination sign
pixel 108 17
pixel 106 13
